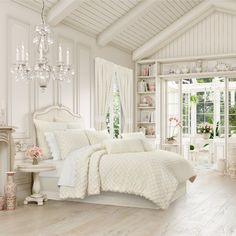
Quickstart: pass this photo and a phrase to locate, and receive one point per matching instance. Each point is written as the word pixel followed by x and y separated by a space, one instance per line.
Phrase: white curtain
pixel 125 85
pixel 104 74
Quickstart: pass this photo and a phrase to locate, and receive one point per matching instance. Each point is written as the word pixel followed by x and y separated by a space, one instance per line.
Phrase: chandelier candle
pixel 67 57
pixel 59 54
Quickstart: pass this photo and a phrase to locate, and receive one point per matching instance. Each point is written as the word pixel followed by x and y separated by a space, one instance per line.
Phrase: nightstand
pixel 171 147
pixel 35 169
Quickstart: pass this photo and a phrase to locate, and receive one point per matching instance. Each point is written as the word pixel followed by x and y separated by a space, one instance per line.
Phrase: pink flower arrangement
pixel 34 152
pixel 176 123
pixel 205 128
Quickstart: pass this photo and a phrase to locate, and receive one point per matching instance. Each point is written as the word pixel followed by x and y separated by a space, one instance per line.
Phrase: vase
pixel 206 135
pixel 2 202
pixel 35 161
pixel 10 191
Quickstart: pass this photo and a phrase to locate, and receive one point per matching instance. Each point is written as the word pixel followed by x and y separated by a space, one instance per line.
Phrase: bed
pixel 50 180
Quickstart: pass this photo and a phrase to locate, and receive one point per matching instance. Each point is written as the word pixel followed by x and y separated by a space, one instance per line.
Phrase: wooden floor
pixel 209 208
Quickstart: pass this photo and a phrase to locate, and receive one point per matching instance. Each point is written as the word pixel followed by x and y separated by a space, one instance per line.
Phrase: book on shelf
pixel 147 70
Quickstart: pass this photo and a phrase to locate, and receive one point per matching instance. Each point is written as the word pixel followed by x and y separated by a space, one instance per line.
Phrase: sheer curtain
pixel 125 85
pixel 104 75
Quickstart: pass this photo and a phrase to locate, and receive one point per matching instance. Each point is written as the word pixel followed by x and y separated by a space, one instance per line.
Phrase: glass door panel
pixel 232 126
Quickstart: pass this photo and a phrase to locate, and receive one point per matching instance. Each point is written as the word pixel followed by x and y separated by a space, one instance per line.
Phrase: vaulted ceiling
pixel 140 27
pixel 135 21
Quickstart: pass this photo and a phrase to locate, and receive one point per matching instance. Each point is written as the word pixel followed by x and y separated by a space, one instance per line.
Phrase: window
pixel 113 120
pixel 205 107
pixel 232 106
pixel 186 114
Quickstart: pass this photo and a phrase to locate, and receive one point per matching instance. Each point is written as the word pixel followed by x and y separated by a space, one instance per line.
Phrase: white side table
pixel 171 147
pixel 35 169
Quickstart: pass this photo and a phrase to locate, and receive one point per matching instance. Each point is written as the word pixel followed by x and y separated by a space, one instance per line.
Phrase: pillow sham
pixel 96 137
pixel 70 140
pixel 76 124
pixel 148 146
pixel 124 145
pixel 53 146
pixel 46 126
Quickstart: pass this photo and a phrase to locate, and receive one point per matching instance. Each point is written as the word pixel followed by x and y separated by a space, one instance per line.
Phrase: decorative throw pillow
pixel 124 145
pixel 46 126
pixel 53 146
pixel 97 136
pixel 70 140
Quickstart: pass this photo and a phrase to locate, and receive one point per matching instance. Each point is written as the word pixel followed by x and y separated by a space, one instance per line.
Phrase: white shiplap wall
pixel 216 34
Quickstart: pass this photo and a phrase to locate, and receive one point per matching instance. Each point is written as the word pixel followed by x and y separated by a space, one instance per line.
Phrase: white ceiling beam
pixel 61 10
pixel 118 26
pixel 173 31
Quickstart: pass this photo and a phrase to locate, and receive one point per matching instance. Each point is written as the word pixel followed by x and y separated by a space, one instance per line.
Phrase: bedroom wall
pixel 214 35
pixel 21 99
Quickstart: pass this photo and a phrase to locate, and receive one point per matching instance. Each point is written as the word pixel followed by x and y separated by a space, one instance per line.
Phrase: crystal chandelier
pixel 42 71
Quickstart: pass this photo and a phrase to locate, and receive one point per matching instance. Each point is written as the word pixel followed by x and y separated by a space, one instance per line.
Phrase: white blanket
pixel 153 175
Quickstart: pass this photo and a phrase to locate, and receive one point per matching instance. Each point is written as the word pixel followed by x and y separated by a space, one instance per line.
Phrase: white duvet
pixel 152 175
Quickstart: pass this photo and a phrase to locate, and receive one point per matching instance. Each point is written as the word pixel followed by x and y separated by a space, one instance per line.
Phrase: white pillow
pixel 96 137
pixel 70 140
pixel 46 126
pixel 53 146
pixel 124 145
pixel 148 146
pixel 77 124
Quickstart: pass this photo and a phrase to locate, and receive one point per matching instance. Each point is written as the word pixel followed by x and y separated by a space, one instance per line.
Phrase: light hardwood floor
pixel 208 209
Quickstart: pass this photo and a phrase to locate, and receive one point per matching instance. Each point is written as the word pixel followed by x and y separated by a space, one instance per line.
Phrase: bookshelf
pixel 147 97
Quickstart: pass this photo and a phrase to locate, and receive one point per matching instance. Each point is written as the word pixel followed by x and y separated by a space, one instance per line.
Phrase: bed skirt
pixel 50 188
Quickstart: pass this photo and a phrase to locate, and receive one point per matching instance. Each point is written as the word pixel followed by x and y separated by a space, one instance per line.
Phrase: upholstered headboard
pixel 55 114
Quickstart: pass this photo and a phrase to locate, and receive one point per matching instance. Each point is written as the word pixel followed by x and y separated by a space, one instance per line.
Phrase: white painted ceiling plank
pixel 119 4
pixel 103 8
pixel 90 15
pixel 131 39
pixel 176 6
pixel 114 29
pixel 170 10
pixel 125 44
pixel 155 24
pixel 61 10
pixel 85 22
pixel 142 27
pixel 174 30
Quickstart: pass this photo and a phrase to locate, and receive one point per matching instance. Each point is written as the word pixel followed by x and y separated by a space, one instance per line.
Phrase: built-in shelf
pixel 148 61
pixel 146 77
pixel 197 75
pixel 146 92
pixel 146 107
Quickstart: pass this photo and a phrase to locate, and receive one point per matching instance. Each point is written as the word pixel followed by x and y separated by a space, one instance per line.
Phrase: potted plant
pixel 173 124
pixel 193 99
pixel 205 129
pixel 191 147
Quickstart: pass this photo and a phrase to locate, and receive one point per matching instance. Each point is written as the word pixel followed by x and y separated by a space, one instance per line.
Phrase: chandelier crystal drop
pixel 42 72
